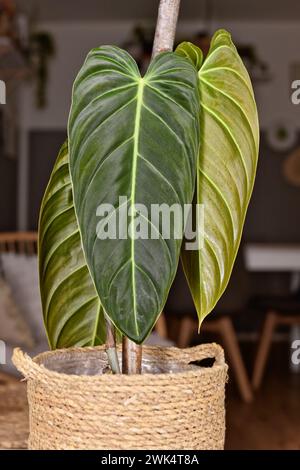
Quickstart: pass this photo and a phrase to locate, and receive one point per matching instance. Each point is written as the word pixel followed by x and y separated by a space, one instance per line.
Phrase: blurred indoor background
pixel 42 46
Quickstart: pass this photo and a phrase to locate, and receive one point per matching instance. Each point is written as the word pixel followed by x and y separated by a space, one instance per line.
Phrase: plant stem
pixel 163 41
pixel 111 350
pixel 131 357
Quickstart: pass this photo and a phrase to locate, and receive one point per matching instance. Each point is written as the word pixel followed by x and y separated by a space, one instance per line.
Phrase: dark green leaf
pixel 135 137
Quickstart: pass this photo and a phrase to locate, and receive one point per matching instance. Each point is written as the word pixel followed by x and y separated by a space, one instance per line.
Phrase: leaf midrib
pixel 137 123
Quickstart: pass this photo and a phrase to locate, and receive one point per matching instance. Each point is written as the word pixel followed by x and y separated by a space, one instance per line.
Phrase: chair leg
pixel 264 348
pixel 161 326
pixel 187 329
pixel 231 346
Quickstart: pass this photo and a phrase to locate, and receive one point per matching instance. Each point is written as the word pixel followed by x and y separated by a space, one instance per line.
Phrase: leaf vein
pixel 236 104
pixel 224 125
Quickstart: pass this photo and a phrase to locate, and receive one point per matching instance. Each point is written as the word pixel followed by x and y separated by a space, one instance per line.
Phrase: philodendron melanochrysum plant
pixel 185 133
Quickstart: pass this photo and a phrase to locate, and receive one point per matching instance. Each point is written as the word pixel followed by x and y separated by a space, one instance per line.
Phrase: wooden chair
pixel 281 310
pixel 224 329
pixel 18 242
pixel 219 323
pixel 161 326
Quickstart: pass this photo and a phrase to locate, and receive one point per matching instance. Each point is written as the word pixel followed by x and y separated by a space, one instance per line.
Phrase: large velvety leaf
pixel 72 311
pixel 226 168
pixel 135 137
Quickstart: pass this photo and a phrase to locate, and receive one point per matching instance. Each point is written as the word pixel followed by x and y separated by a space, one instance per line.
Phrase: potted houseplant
pixel 184 134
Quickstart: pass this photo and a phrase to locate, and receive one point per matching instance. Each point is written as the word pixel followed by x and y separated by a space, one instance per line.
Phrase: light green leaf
pixel 226 169
pixel 72 311
pixel 135 137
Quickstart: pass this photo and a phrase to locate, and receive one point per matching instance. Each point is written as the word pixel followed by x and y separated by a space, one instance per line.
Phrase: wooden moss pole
pixel 163 41
pixel 131 357
pixel 166 26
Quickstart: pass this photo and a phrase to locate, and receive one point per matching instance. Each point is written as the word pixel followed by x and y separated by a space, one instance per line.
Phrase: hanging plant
pixel 41 50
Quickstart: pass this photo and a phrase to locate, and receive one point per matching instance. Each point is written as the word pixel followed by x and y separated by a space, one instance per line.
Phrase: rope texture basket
pixel 179 410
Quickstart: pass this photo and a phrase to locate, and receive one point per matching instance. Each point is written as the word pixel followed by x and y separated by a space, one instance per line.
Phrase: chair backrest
pixel 19 242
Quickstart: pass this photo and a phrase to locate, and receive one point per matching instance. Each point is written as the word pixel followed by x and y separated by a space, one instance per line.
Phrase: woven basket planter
pixel 172 405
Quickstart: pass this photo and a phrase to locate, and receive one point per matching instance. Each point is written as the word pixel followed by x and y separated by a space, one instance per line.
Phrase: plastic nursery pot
pixel 76 403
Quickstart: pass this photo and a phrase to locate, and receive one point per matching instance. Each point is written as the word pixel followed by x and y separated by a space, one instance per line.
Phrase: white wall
pixel 277 44
pixel 73 42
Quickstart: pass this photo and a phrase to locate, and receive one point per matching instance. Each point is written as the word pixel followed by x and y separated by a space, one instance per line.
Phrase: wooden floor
pixel 272 421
